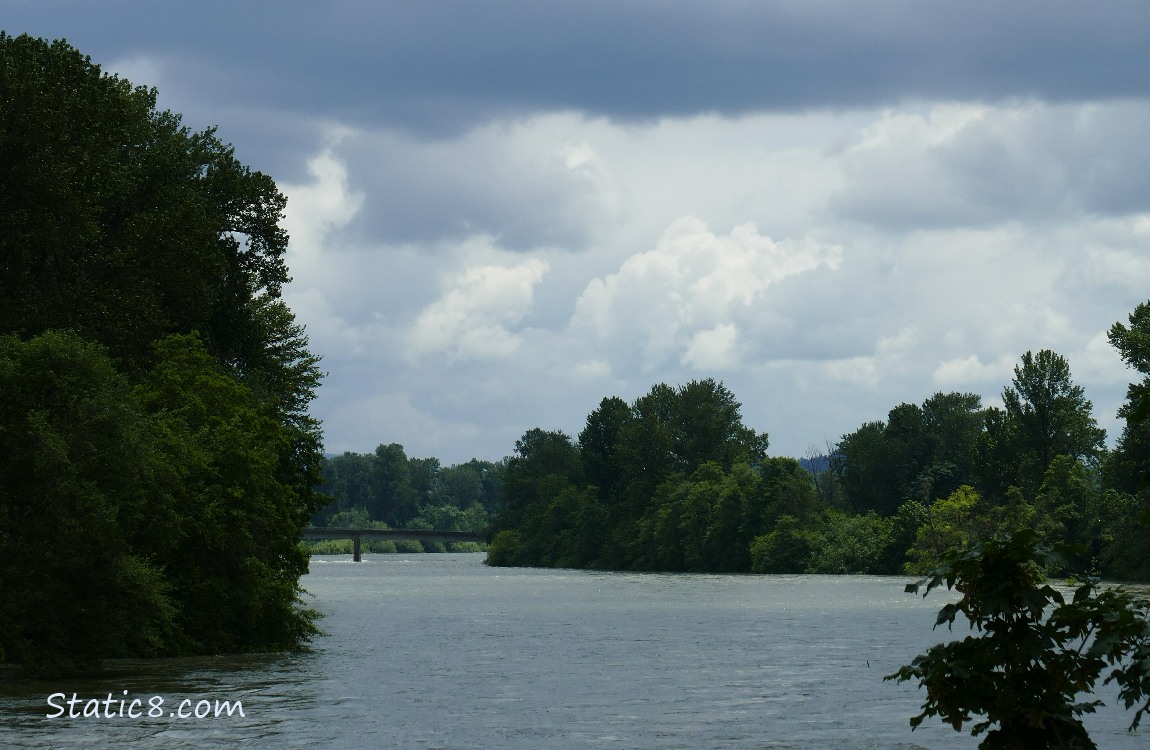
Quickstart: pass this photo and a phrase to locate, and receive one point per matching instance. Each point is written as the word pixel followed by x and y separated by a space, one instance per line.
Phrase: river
pixel 440 651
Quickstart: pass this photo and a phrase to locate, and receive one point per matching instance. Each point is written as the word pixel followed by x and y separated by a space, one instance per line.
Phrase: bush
pixel 787 549
pixel 466 547
pixel 1024 673
pixel 505 549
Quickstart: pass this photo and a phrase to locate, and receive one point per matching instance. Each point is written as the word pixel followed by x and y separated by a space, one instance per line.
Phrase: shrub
pixel 1024 673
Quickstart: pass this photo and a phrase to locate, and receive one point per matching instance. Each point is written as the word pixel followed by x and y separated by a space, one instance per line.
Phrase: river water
pixel 440 651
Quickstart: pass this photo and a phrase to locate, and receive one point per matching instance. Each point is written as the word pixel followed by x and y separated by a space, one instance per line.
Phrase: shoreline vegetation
pixel 156 386
pixel 676 482
pixel 388 546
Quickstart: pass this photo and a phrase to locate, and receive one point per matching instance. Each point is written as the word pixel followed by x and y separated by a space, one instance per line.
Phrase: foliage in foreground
pixel 157 459
pixel 1022 678
pixel 142 520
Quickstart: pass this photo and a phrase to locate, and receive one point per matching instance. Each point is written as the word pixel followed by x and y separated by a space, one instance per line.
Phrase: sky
pixel 503 212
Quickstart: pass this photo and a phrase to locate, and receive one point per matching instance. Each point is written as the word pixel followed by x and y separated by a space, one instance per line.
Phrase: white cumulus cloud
pixel 475 317
pixel 685 298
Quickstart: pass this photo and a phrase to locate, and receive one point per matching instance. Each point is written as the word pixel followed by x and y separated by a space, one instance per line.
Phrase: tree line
pixel 388 490
pixel 675 481
pixel 157 458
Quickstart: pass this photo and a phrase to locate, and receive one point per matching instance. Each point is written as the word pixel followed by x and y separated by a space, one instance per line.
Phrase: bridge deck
pixel 425 535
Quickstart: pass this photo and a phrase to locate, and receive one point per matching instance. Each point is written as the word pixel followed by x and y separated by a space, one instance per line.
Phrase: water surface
pixel 440 651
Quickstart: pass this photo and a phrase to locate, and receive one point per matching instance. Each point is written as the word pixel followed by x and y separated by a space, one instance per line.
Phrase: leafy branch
pixel 1020 680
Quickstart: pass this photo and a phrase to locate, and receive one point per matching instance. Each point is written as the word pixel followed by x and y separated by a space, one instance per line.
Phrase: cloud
pixel 1099 363
pixel 961 373
pixel 365 422
pixel 685 298
pixel 971 165
pixel 447 66
pixel 842 318
pixel 479 184
pixel 314 211
pixel 889 357
pixel 318 208
pixel 712 350
pixel 475 316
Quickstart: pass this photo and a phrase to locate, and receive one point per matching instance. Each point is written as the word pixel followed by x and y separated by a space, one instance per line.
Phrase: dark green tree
pixel 1128 465
pixel 395 499
pixel 1050 415
pixel 543 461
pixel 233 557
pixel 918 453
pixel 674 431
pixel 425 474
pixel 122 226
pixel 1022 677
pixel 666 483
pixel 954 425
pixel 78 512
pixel 869 470
pixel 347 480
pixel 461 486
pixel 599 443
pixel 544 466
pixel 707 425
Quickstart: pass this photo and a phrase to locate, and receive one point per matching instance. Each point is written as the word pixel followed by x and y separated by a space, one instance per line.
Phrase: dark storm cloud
pixel 419 191
pixel 445 65
pixel 1032 162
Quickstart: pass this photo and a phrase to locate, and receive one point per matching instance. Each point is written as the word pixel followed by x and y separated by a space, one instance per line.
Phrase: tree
pixel 852 544
pixel 396 501
pixel 599 443
pixel 121 224
pixel 233 557
pixel 869 471
pixel 424 474
pixel 545 464
pixel 76 452
pixel 1051 415
pixel 1128 465
pixel 347 480
pixel 737 518
pixel 1067 504
pixel 155 245
pixel 543 459
pixel 671 479
pixel 707 425
pixel 954 424
pixel 919 453
pixel 786 549
pixel 675 431
pixel 1037 651
pixel 965 517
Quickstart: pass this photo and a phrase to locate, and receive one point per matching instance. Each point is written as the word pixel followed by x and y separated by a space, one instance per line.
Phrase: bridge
pixel 421 535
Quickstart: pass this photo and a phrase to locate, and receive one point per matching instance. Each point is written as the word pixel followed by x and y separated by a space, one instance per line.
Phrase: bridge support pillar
pixel 356 557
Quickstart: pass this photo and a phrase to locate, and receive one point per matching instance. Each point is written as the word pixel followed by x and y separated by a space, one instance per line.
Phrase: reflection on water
pixel 439 651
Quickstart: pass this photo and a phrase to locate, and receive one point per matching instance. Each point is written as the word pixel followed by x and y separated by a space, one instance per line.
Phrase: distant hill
pixel 816 465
